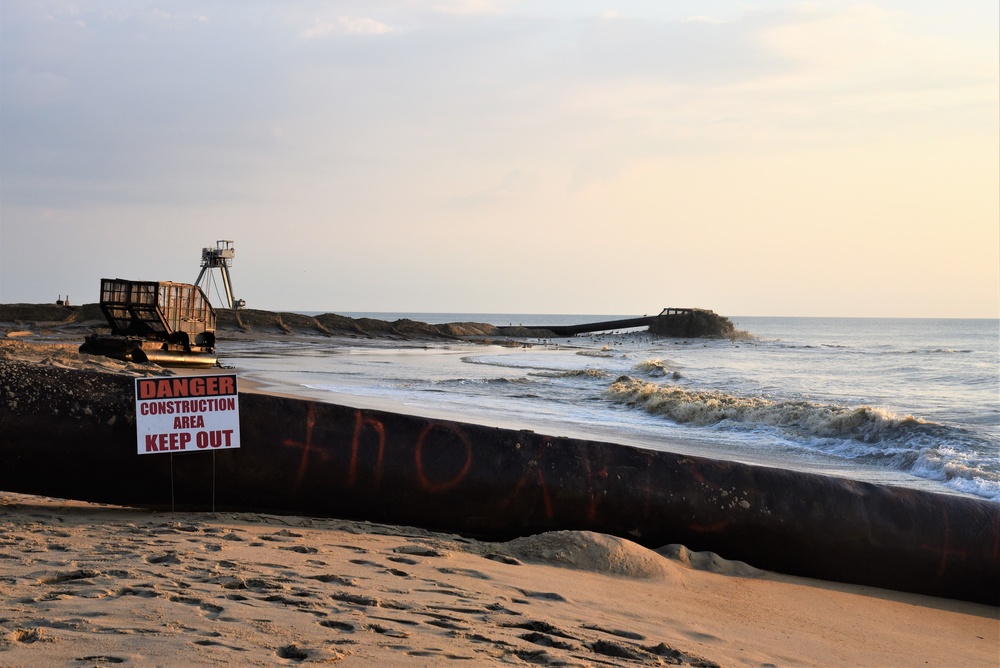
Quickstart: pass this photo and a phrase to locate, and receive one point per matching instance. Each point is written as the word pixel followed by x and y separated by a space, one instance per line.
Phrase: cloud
pixel 351 126
pixel 842 38
pixel 464 6
pixel 701 19
pixel 345 26
pixel 31 90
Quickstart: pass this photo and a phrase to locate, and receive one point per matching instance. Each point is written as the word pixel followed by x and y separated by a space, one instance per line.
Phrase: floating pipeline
pixel 71 434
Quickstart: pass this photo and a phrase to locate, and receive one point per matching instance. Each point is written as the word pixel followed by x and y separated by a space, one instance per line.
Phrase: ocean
pixel 909 402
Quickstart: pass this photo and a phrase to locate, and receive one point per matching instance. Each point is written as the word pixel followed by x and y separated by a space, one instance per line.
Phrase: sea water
pixel 892 401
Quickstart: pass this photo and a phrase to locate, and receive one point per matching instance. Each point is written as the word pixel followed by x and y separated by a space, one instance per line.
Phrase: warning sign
pixel 187 414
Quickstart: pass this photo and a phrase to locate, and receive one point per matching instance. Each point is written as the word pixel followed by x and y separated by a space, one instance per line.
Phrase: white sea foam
pixel 708 407
pixel 603 352
pixel 866 434
pixel 656 368
pixel 574 373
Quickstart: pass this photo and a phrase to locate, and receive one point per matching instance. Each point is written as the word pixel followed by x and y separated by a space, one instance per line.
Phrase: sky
pixel 497 156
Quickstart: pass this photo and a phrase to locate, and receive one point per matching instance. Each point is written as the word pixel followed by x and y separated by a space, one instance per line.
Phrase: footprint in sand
pixel 448 624
pixel 209 610
pixel 419 551
pixel 334 579
pixel 340 626
pixel 167 558
pixel 403 560
pixel 292 652
pixel 364 562
pixel 543 595
pixel 214 643
pixel 614 632
pixel 607 648
pixel 469 572
pixel 67 577
pixel 142 591
pixel 545 641
pixel 99 659
pixel 367 601
pixel 27 636
pixel 390 633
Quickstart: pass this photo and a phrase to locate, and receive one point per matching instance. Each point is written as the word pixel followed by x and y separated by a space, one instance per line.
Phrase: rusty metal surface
pixel 155 309
pixel 71 434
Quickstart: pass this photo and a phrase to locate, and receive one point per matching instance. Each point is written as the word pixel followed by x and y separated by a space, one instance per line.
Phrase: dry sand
pixel 93 585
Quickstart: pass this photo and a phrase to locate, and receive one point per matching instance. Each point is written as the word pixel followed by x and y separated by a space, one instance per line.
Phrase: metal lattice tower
pixel 221 258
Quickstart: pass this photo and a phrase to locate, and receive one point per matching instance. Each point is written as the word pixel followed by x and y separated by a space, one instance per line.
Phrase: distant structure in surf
pixel 691 323
pixel 673 322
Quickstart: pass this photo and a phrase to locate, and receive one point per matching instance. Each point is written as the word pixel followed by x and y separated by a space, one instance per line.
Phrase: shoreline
pixel 294 383
pixel 298 330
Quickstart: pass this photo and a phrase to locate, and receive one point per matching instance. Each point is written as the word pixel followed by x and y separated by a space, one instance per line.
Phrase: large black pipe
pixel 71 434
pixel 605 326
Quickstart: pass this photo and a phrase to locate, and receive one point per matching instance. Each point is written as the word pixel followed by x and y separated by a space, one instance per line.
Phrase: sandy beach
pixel 96 585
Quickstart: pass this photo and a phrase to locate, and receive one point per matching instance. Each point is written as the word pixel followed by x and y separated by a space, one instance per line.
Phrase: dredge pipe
pixel 605 326
pixel 174 358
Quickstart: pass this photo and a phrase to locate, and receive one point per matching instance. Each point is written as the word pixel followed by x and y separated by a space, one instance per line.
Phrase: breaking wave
pixel 806 419
pixel 603 352
pixel 655 368
pixel 572 373
pixel 486 381
pixel 951 455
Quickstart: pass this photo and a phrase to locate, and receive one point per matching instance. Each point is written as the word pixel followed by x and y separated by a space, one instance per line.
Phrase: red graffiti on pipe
pixel 445 485
pixel 359 423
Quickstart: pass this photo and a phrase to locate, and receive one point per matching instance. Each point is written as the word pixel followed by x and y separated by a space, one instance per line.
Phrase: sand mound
pixel 708 561
pixel 67 356
pixel 589 551
pixel 48 314
pixel 610 555
pixel 331 324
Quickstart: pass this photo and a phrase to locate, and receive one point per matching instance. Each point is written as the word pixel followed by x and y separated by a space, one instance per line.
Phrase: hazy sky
pixel 578 156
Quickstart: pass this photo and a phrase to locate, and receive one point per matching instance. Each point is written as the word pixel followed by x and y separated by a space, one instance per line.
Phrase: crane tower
pixel 221 258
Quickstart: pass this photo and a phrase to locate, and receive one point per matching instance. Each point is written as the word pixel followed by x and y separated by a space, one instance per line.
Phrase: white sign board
pixel 187 414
